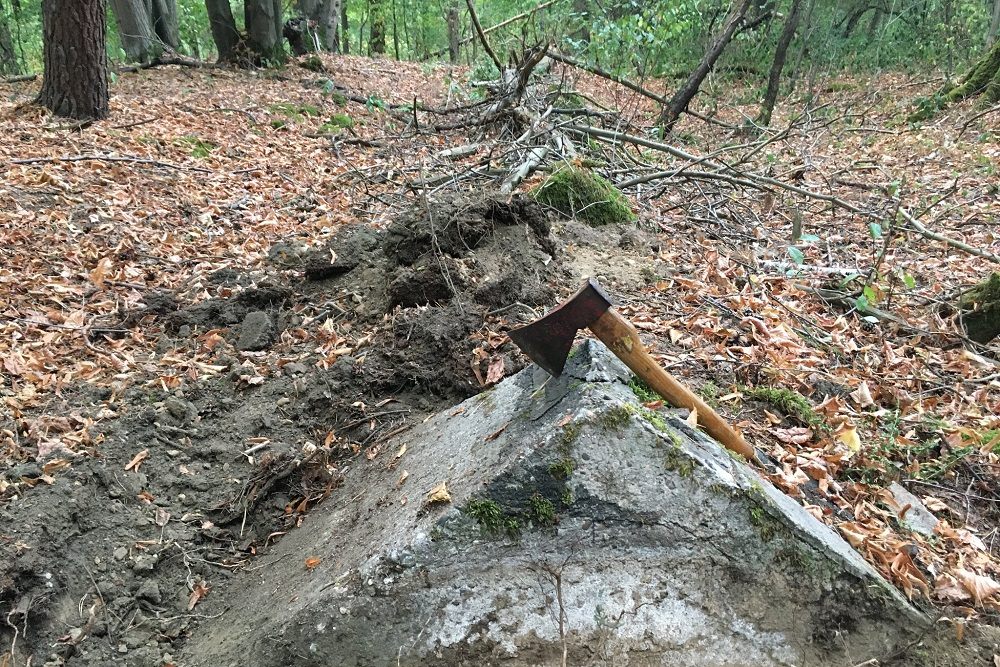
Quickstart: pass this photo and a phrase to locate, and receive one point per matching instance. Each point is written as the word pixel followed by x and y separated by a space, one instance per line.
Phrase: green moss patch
pixel 980 308
pixel 580 193
pixel 338 121
pixel 491 517
pixel 787 401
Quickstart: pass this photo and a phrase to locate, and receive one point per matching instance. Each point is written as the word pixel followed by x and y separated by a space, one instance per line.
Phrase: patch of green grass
pixel 278 123
pixel 577 192
pixel 199 147
pixel 338 121
pixel 491 517
pixel 295 112
pixel 787 401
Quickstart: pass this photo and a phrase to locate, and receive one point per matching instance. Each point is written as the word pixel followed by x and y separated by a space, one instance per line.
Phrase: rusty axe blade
pixel 548 340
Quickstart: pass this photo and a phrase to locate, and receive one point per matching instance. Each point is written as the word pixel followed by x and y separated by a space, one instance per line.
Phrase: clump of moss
pixel 491 517
pixel 642 390
pixel 294 111
pixel 338 121
pixel 580 193
pixel 561 469
pixel 541 510
pixel 980 308
pixel 199 147
pixel 313 64
pixel 616 418
pixel 787 401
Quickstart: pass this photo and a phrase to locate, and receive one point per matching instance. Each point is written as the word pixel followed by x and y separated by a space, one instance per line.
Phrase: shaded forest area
pixel 224 283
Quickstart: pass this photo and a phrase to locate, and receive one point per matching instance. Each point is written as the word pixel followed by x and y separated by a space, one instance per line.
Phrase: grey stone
pixel 150 592
pixel 256 332
pixel 916 516
pixel 567 499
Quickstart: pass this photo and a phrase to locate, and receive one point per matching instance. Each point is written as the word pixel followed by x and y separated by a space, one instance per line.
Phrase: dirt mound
pixel 109 552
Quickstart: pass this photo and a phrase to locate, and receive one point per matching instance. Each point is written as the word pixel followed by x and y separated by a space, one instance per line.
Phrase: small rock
pixel 121 553
pixel 144 562
pixel 917 518
pixel 256 332
pixel 295 368
pixel 150 592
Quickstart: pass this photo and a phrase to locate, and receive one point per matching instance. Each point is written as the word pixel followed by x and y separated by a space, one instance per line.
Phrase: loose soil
pixel 110 552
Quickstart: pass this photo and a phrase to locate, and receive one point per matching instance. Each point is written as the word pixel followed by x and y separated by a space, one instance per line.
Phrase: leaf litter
pixel 127 275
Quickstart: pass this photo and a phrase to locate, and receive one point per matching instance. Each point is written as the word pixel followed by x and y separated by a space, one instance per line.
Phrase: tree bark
pixel 165 26
pixel 324 14
pixel 991 36
pixel 982 79
pixel 75 81
pixel 684 95
pixel 10 63
pixel 135 30
pixel 376 36
pixel 453 33
pixel 264 29
pixel 343 35
pixel 223 25
pixel 778 64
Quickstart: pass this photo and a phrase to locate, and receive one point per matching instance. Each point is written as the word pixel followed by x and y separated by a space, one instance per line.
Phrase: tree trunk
pixel 264 29
pixel 223 25
pixel 679 102
pixel 343 35
pixel 376 36
pixel 581 15
pixel 453 33
pixel 778 64
pixel 75 81
pixel 994 24
pixel 982 79
pixel 10 64
pixel 324 14
pixel 135 29
pixel 165 27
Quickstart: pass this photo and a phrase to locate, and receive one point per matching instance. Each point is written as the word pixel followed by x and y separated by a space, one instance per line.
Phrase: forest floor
pixel 183 375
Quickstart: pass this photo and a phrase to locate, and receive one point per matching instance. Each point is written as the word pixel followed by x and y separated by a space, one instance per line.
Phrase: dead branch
pixel 750 179
pixel 20 78
pixel 482 36
pixel 109 158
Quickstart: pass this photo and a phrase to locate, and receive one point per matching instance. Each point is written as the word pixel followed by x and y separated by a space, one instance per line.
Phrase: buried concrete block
pixel 578 521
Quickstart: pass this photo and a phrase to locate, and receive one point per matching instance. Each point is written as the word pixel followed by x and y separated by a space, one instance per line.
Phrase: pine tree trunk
pixel 679 102
pixel 75 81
pixel 223 25
pixel 264 29
pixel 135 29
pixel 778 64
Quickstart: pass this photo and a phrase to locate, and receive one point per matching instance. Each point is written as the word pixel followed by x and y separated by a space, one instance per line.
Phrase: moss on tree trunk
pixel 980 309
pixel 982 79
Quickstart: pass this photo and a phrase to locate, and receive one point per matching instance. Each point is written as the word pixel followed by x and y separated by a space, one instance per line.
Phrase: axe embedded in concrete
pixel 547 341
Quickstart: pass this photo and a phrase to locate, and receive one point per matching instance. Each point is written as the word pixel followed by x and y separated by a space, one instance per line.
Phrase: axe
pixel 547 342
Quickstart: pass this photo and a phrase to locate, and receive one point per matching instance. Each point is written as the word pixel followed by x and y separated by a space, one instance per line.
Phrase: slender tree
pixel 376 36
pixel 680 100
pixel 75 80
pixel 10 62
pixel 778 64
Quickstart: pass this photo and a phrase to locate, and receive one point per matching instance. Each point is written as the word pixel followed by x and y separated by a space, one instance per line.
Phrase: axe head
pixel 547 340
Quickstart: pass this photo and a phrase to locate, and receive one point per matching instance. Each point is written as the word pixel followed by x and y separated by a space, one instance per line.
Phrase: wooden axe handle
pixel 621 337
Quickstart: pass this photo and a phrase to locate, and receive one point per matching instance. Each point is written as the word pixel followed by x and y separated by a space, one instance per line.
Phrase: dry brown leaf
pixel 137 460
pixel 979 586
pixel 439 494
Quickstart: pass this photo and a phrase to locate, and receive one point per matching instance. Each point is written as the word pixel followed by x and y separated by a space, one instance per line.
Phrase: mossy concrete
pixel 655 523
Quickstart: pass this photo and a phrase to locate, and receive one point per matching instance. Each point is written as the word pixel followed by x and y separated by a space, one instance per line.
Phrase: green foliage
pixel 293 111
pixel 491 517
pixel 642 390
pixel 580 193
